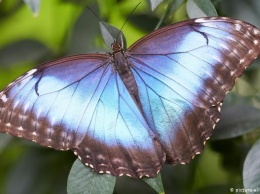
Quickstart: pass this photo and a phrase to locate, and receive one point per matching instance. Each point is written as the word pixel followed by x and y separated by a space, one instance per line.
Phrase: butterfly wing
pixel 80 103
pixel 183 73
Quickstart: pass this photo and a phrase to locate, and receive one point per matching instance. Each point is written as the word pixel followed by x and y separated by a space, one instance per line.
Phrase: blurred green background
pixel 67 27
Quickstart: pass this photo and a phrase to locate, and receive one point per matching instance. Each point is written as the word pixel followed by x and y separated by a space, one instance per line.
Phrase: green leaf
pixel 37 170
pixel 51 27
pixel 155 3
pixel 208 170
pixel 245 10
pixel 200 8
pixel 111 33
pixel 4 139
pixel 236 121
pixel 155 183
pixel 85 181
pixel 34 5
pixel 85 34
pixel 7 75
pixel 25 50
pixel 119 15
pixel 251 173
pixel 175 5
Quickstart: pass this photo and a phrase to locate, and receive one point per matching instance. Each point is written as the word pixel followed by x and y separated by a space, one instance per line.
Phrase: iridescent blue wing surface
pixel 80 103
pixel 183 73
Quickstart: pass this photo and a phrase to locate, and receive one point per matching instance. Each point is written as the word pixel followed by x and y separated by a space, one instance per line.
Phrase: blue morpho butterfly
pixel 129 112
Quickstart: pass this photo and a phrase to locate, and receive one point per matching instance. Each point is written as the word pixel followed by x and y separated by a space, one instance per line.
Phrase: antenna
pixel 101 22
pixel 120 31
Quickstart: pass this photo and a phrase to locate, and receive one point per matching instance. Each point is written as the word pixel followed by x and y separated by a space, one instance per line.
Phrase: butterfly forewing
pixel 88 104
pixel 35 106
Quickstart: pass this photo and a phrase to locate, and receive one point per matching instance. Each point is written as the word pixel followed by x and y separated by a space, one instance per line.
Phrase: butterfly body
pixel 122 66
pixel 130 112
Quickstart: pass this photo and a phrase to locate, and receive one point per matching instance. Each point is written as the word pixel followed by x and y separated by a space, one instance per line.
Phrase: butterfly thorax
pixel 120 62
pixel 122 66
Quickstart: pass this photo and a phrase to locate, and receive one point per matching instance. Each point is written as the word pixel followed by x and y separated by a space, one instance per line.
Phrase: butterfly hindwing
pixel 118 140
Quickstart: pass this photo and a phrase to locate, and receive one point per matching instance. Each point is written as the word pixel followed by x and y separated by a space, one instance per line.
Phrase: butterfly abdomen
pixel 129 82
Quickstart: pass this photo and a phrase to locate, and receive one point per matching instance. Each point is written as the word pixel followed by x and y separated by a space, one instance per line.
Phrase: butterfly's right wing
pixel 80 103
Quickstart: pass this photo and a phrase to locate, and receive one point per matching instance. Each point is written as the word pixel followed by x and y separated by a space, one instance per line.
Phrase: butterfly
pixel 131 111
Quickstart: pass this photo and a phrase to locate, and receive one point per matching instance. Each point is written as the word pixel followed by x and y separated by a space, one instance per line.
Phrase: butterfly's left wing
pixel 183 73
pixel 80 103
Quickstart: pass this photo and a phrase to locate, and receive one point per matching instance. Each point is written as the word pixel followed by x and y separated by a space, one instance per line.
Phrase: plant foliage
pixel 34 31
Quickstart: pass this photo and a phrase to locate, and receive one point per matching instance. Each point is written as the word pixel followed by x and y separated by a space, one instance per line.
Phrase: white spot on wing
pixel 250 51
pixel 256 31
pixel 20 128
pixel 31 72
pixel 238 27
pixel 241 61
pixel 10 84
pixel 4 98
pixel 200 20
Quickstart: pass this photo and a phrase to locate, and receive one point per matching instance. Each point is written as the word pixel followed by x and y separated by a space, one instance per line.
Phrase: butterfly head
pixel 116 47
